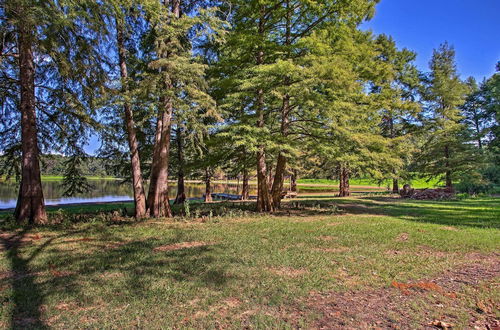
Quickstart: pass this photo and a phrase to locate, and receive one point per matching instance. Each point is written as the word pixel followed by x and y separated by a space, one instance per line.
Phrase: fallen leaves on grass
pixel 9 240
pixel 441 324
pixel 180 246
pixel 421 286
pixel 387 308
pixel 485 307
pixel 66 306
pixel 57 273
pixel 75 240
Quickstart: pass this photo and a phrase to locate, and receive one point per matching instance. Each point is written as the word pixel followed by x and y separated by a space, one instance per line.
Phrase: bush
pixel 492 174
pixel 474 184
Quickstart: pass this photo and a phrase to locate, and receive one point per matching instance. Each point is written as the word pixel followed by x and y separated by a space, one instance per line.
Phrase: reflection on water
pixel 104 191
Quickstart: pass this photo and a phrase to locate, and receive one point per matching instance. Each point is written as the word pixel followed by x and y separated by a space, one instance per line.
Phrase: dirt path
pixel 432 303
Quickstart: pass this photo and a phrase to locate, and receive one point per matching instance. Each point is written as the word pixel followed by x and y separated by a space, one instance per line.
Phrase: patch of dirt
pixel 288 271
pixel 76 240
pixel 403 237
pixel 6 275
pixel 66 306
pixel 14 276
pixel 450 228
pixel 115 245
pixel 231 302
pixel 9 240
pixel 180 246
pixel 326 238
pixel 422 252
pixel 111 275
pixel 58 273
pixel 397 306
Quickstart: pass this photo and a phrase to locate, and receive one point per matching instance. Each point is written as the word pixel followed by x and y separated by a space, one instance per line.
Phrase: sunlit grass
pixel 247 268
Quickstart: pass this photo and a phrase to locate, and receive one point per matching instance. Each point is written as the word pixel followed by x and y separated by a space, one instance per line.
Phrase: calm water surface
pixel 104 191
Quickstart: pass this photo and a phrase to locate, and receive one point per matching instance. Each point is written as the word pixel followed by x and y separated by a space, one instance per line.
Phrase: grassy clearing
pixel 416 183
pixel 244 269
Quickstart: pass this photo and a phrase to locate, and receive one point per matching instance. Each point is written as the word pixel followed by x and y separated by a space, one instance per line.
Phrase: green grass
pixel 416 183
pixel 255 271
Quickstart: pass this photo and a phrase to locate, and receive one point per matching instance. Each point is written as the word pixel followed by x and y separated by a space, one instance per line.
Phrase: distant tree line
pixel 272 89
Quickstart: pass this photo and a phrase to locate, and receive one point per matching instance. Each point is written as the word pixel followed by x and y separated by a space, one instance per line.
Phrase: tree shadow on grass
pixel 481 214
pixel 68 266
pixel 27 296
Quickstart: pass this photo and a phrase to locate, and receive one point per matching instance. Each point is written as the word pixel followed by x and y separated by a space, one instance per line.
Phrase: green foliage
pixel 446 152
pixel 474 184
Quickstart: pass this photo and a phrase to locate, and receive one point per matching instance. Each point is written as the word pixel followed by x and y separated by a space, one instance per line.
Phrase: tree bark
pixel 158 201
pixel 449 183
pixel 395 183
pixel 245 191
pixel 279 177
pixel 264 202
pixel 344 174
pixel 478 131
pixel 208 188
pixel 30 204
pixel 181 190
pixel 395 186
pixel 137 180
pixel 293 181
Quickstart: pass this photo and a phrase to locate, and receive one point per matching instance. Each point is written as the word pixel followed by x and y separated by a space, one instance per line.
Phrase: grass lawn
pixel 355 262
pixel 416 183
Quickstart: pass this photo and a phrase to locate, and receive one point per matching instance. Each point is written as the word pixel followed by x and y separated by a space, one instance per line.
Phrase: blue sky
pixel 471 26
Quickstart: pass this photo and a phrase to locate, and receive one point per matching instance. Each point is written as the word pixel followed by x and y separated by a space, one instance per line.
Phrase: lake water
pixel 105 191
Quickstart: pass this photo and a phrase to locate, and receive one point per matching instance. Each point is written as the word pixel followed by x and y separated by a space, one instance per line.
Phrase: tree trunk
pixel 245 191
pixel 264 202
pixel 293 181
pixel 395 186
pixel 478 132
pixel 395 183
pixel 208 188
pixel 137 181
pixel 344 173
pixel 158 201
pixel 181 190
pixel 30 204
pixel 449 183
pixel 279 177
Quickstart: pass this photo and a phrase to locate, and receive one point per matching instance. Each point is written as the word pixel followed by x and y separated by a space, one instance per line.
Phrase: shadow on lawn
pixel 26 295
pixel 450 213
pixel 99 257
pixel 483 213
